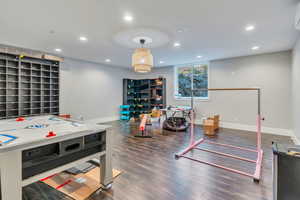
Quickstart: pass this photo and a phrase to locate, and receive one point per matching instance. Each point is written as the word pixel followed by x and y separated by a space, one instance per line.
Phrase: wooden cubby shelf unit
pixel 28 86
pixel 143 95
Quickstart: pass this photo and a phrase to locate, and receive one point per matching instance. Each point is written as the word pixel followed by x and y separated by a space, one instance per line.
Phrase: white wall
pixel 271 72
pixel 91 90
pixel 296 88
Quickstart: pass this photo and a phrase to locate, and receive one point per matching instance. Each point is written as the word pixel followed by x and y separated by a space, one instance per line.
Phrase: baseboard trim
pixel 244 127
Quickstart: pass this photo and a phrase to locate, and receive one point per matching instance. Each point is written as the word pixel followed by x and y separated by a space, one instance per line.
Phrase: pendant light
pixel 142 59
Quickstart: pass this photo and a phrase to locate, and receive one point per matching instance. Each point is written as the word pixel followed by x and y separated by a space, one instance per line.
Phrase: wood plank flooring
pixel 150 171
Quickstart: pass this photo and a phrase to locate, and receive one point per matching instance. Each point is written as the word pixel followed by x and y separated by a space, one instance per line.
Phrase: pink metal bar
pixel 220 166
pixel 228 145
pixel 257 173
pixel 227 155
pixel 189 148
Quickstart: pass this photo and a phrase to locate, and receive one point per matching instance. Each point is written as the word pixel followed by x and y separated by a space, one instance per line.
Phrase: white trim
pixel 252 128
pixel 175 94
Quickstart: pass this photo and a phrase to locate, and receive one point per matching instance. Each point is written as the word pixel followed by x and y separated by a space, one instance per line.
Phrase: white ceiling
pixel 213 28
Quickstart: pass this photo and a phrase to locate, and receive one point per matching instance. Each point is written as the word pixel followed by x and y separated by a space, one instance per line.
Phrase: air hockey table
pixel 45 145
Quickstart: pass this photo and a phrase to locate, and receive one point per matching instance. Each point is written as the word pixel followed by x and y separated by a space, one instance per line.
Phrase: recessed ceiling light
pixel 199 56
pixel 82 38
pixel 176 44
pixel 250 28
pixel 58 50
pixel 161 62
pixel 107 60
pixel 128 18
pixel 255 48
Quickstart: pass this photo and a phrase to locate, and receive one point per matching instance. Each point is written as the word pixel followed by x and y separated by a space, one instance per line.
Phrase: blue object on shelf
pixel 125 106
pixel 125 112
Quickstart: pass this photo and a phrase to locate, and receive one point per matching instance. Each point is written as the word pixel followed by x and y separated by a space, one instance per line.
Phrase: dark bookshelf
pixel 142 95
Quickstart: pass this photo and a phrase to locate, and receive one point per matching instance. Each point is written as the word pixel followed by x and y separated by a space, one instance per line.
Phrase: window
pixel 183 81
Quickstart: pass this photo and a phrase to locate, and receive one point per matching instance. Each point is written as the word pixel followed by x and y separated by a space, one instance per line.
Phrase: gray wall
pixel 271 72
pixel 296 87
pixel 91 90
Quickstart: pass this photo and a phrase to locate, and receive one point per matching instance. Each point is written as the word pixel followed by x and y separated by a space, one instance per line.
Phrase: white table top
pixel 33 130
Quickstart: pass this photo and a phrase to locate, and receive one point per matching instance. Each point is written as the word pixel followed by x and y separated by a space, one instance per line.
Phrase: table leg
pixel 106 165
pixel 11 175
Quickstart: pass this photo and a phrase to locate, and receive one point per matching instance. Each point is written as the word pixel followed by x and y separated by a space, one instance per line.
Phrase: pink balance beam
pixel 227 155
pixel 189 148
pixel 220 166
pixel 228 145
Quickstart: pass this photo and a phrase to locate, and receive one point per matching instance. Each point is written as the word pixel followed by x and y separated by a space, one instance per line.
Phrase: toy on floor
pixel 178 121
pixel 142 128
pixel 211 125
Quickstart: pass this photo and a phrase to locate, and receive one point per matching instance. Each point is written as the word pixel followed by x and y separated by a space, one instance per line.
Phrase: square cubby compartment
pixel 12 85
pixel 36 86
pixel 25 85
pixel 2 77
pixel 54 98
pixel 46 67
pixel 36 73
pixel 12 92
pixel 54 92
pixel 13 78
pixel 36 98
pixel 46 74
pixel 46 86
pixel 2 107
pixel 54 74
pixel 12 98
pixel 25 106
pixel 55 80
pixel 36 66
pixel 35 105
pixel 25 92
pixel 46 105
pixel 25 65
pixel 54 110
pixel 36 92
pixel 35 79
pixel 54 86
pixel 2 70
pixel 54 68
pixel 2 92
pixel 25 79
pixel 25 112
pixel 12 71
pixel 2 62
pixel 46 80
pixel 54 104
pixel 25 72
pixel 2 99
pixel 12 113
pixel 2 84
pixel 11 63
pixel 46 110
pixel 2 114
pixel 46 98
pixel 12 106
pixel 46 92
pixel 25 98
pixel 36 111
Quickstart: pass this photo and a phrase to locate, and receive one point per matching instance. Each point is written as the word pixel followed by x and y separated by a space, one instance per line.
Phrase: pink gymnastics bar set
pixel 258 151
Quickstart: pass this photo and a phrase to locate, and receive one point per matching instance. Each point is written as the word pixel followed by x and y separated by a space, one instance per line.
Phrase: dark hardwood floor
pixel 150 171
